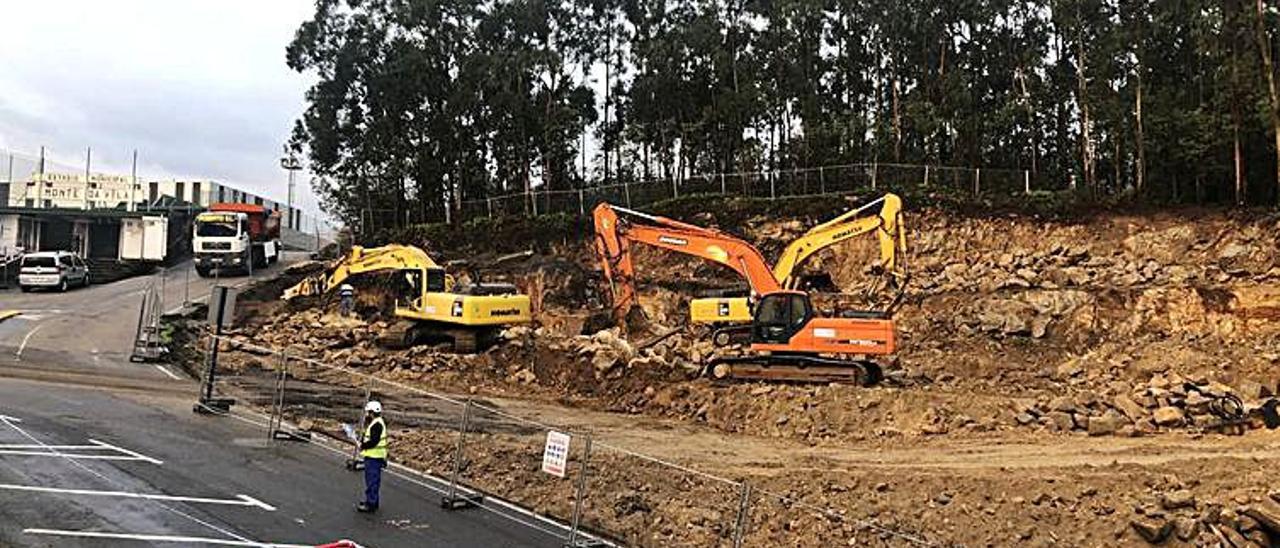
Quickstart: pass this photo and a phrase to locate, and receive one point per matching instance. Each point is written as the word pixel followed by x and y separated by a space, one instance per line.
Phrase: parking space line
pixel 18 356
pixel 166 371
pixel 135 454
pixel 160 538
pixel 240 500
pixel 56 453
pixel 11 422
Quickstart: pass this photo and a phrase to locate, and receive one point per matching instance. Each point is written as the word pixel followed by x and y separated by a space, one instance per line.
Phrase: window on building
pixel 179 191
pixel 257 200
pixel 154 192
pixel 195 193
pixel 222 193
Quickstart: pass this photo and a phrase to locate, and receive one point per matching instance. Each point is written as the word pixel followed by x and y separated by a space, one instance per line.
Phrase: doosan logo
pixel 673 241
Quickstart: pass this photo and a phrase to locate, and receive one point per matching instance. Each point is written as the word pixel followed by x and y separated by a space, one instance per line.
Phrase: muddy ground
pixel 1058 383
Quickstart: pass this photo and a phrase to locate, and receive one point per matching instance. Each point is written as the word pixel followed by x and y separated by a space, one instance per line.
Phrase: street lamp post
pixel 291 164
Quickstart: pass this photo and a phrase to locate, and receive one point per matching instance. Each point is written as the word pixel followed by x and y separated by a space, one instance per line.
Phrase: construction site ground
pixel 1055 384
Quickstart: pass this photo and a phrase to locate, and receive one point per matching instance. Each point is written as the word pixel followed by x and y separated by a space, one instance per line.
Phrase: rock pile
pixel 1165 402
pixel 1178 512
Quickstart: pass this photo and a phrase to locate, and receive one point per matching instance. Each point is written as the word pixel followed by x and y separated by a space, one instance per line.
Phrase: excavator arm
pixel 377 259
pixel 889 230
pixel 615 233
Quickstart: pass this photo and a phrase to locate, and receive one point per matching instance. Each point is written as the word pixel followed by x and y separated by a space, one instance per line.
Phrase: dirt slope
pixel 1056 385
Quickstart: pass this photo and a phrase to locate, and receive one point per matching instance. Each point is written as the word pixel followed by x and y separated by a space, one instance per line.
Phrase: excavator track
pixel 405 334
pixel 796 368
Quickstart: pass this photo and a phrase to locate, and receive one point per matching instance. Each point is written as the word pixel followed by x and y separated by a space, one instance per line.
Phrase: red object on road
pixel 340 544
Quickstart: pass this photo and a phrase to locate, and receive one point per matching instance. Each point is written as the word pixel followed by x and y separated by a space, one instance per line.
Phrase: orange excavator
pixel 788 341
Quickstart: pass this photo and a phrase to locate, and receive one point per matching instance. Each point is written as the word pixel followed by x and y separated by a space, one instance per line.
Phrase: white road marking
pixel 23 346
pixel 240 500
pixel 10 422
pixel 134 454
pixel 50 447
pixel 166 371
pixel 160 538
pixel 55 453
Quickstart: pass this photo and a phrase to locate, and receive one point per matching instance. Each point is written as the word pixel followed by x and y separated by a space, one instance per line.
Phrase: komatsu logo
pixel 672 241
pixel 505 312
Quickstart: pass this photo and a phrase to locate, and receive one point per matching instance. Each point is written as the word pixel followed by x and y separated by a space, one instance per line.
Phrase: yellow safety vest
pixel 379 451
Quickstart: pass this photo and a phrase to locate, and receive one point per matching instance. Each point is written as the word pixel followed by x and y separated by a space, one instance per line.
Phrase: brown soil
pixel 1003 421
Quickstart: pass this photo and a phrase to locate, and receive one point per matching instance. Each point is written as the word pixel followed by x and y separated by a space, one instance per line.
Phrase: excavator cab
pixel 779 316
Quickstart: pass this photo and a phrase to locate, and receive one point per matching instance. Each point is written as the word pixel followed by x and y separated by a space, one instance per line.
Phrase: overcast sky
pixel 198 87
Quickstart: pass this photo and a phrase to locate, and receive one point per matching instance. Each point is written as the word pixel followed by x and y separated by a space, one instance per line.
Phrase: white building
pixel 103 215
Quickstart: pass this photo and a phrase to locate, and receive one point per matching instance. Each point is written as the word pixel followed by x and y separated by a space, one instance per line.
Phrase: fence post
pixel 452 501
pixel 1026 181
pixel 875 172
pixel 977 181
pixel 926 175
pixel 675 187
pixel 723 190
pixel 582 203
pixel 581 493
pixel 276 396
pixel 533 200
pixel 822 181
pixel 626 190
pixel 744 508
pixel 773 179
pixel 489 203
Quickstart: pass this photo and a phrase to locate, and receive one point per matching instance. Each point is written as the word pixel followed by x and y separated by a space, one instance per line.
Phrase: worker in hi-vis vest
pixel 373 451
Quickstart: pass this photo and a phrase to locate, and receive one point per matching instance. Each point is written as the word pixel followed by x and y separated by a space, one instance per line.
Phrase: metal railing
pixel 477 454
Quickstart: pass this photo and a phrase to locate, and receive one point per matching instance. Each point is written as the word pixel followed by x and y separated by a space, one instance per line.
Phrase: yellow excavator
pixel 438 309
pixel 730 314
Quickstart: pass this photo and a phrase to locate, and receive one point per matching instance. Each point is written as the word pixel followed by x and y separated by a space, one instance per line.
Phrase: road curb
pixel 6 314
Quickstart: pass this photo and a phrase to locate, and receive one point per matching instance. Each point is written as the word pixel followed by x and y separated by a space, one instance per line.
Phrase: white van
pixel 52 269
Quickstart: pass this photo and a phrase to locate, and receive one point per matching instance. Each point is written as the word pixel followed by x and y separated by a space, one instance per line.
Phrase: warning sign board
pixel 555 456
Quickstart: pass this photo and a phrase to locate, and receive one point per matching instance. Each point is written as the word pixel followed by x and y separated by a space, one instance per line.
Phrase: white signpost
pixel 555 456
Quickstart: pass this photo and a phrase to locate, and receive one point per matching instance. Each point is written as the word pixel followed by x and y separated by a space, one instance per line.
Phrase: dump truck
pixel 240 237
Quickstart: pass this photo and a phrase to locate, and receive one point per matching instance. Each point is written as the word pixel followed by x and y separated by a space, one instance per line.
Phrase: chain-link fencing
pixel 976 183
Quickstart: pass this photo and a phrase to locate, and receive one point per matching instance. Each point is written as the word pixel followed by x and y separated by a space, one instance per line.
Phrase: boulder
pixel 1129 408
pixel 1105 424
pixel 1169 416
pixel 1153 531
pixel 1061 421
pixel 1181 498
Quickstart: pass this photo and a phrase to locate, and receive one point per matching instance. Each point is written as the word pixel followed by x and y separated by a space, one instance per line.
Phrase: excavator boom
pixel 889 232
pixel 614 234
pixel 363 260
pixel 889 229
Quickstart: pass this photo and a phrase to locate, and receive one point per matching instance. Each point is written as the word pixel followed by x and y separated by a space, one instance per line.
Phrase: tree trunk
pixel 897 123
pixel 1236 155
pixel 1141 144
pixel 1086 124
pixel 1263 39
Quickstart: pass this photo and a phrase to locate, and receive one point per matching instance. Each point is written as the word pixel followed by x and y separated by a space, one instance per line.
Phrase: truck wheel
pixel 62 285
pixel 25 288
pixel 202 272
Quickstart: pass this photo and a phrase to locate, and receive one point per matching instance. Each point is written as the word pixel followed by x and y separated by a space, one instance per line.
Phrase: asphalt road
pixel 107 452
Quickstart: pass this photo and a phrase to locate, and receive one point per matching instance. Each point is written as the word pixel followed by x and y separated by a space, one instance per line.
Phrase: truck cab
pixel 233 240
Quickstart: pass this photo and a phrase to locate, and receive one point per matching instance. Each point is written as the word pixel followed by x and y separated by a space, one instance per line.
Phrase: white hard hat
pixel 373 406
